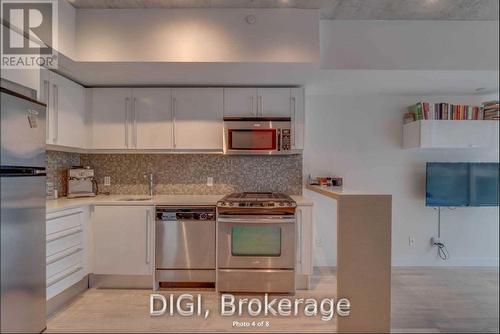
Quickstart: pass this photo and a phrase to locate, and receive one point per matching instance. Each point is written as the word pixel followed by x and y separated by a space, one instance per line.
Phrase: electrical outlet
pixel 436 241
pixel 210 181
pixel 411 240
pixel 107 180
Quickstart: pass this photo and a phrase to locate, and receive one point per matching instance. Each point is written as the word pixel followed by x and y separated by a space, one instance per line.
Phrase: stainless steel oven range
pixel 256 243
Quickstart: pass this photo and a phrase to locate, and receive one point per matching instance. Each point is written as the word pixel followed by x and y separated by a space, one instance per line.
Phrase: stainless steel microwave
pixel 258 135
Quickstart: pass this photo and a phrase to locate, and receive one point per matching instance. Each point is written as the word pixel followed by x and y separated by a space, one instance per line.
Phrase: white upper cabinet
pixel 257 102
pixel 274 102
pixel 185 119
pixel 198 118
pixel 240 102
pixel 152 118
pixel 66 110
pixel 428 134
pixel 69 101
pixel 298 118
pixel 111 114
pixel 45 97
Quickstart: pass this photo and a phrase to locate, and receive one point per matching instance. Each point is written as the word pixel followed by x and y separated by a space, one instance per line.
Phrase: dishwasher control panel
pixel 165 213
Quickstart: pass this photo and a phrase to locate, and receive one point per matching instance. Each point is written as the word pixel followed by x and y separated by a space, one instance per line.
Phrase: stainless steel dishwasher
pixel 185 246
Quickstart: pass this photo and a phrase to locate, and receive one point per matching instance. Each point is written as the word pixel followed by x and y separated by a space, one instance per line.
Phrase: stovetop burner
pixel 256 199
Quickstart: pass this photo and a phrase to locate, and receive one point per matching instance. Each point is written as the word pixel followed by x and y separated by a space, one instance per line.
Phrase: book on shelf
pixel 491 110
pixel 443 111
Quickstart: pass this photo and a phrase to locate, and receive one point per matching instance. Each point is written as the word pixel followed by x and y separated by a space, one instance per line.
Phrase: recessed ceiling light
pixel 250 19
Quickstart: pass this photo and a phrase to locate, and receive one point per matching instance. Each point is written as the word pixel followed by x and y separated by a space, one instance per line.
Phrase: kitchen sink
pixel 129 199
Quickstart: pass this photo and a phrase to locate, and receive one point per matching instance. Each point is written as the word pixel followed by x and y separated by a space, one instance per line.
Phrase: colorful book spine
pixel 446 111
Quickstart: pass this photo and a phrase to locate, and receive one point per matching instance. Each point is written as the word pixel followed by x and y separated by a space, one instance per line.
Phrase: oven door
pixel 256 242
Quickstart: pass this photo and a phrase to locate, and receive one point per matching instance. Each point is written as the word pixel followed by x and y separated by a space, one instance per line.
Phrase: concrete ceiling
pixel 332 9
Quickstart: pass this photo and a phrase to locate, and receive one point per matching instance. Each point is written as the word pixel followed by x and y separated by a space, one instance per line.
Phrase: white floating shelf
pixel 451 134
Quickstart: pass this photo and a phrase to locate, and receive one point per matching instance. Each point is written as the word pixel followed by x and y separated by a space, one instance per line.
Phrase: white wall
pixel 418 45
pixel 197 35
pixel 359 137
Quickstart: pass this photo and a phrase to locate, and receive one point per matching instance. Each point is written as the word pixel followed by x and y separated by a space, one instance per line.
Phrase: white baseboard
pixel 452 262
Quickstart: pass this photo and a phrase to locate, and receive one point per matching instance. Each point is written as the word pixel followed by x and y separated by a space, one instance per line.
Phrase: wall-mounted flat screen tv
pixel 462 184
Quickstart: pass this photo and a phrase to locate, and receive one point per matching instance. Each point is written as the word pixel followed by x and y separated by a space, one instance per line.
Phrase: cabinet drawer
pixel 64 221
pixel 64 279
pixel 64 260
pixel 64 240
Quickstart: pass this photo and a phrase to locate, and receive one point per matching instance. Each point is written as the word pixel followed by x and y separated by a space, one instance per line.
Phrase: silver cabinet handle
pixel 256 220
pixel 126 122
pixel 56 112
pixel 174 106
pixel 134 131
pixel 252 111
pixel 63 234
pixel 299 227
pixel 46 97
pixel 64 254
pixel 294 120
pixel 147 237
pixel 261 107
pixel 59 277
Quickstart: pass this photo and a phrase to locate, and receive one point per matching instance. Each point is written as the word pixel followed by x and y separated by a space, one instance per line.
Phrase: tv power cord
pixel 443 252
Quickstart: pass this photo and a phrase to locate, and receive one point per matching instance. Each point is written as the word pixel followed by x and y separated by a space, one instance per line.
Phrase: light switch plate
pixel 210 181
pixel 107 180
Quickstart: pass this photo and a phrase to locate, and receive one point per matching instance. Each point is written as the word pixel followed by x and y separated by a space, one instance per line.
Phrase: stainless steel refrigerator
pixel 23 291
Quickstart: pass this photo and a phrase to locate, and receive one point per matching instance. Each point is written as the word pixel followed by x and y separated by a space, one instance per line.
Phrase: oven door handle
pixel 256 220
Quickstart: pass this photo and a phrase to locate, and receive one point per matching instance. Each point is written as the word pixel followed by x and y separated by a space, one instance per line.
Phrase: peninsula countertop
pixel 63 203
pixel 338 192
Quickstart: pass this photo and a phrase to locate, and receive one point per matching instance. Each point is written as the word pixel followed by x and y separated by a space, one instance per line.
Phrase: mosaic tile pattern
pixel 57 164
pixel 187 173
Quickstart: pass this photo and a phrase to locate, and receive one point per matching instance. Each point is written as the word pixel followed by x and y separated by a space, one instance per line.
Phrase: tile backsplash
pixel 57 164
pixel 187 173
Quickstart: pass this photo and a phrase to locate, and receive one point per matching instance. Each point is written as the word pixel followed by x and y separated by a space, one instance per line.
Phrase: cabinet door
pixel 152 109
pixel 304 240
pixel 122 240
pixel 111 114
pixel 274 102
pixel 198 118
pixel 298 118
pixel 46 97
pixel 240 102
pixel 70 113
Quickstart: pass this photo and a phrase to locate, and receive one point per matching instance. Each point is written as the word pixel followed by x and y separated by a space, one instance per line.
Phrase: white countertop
pixel 338 192
pixel 64 203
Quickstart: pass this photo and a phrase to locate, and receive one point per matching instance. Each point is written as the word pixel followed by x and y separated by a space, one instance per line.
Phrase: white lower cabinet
pixel 67 249
pixel 304 216
pixel 123 240
pixel 298 118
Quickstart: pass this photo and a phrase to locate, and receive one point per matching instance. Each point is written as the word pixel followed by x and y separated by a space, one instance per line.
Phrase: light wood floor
pixel 423 300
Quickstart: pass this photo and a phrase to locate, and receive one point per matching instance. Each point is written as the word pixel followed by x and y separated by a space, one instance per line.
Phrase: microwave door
pixel 252 139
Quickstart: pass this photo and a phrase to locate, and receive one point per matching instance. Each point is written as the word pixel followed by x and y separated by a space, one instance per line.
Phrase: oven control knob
pixel 231 203
pixel 282 204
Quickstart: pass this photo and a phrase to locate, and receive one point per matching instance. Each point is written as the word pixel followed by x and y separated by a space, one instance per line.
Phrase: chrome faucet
pixel 151 179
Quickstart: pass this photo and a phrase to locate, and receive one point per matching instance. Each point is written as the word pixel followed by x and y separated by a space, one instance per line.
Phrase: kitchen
pixel 169 151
